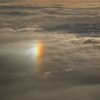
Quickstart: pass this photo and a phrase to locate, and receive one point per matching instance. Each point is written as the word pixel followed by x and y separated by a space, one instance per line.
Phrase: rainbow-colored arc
pixel 38 50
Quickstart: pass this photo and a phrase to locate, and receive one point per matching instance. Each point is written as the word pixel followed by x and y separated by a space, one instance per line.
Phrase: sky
pixel 46 1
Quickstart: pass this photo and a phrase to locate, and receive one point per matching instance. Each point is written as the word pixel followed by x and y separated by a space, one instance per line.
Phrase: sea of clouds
pixel 70 35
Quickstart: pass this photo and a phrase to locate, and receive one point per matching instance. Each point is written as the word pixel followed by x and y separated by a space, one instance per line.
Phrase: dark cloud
pixel 96 47
pixel 77 28
pixel 91 41
pixel 16 13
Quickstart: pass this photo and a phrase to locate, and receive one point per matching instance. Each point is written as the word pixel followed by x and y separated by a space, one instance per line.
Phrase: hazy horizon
pixel 48 1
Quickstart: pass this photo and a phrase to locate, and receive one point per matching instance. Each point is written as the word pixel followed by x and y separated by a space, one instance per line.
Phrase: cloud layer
pixel 70 63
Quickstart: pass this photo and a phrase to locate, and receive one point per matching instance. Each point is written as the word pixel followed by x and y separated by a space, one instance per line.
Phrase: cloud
pixel 91 41
pixel 70 58
pixel 46 75
pixel 16 13
pixel 70 69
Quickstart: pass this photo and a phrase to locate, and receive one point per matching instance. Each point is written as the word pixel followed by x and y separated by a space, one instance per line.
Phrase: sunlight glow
pixel 38 49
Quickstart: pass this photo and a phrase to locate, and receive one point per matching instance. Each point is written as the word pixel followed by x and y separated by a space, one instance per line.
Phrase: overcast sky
pixel 46 1
pixel 69 67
